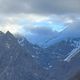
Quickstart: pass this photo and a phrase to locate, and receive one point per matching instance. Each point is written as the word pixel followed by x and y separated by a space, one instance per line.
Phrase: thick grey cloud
pixel 21 13
pixel 41 35
pixel 43 31
pixel 40 6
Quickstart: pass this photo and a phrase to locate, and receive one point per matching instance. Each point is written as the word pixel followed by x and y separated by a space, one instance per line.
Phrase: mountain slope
pixel 16 63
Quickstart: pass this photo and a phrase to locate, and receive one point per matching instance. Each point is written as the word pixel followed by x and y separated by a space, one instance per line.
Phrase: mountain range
pixel 22 60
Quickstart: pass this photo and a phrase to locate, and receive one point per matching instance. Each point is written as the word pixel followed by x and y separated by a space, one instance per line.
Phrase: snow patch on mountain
pixel 72 54
pixel 21 42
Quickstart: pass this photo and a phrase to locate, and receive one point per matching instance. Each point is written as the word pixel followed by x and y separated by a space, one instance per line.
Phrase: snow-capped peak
pixel 72 54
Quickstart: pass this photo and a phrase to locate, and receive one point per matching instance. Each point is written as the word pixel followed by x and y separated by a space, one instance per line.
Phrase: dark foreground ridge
pixel 16 63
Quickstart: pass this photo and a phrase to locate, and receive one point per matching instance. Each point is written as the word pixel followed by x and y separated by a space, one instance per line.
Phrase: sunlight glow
pixel 13 28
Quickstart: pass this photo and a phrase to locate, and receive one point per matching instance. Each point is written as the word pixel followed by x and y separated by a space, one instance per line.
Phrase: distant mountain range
pixel 69 32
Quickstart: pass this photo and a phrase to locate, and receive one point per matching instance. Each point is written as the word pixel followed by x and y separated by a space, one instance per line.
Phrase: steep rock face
pixel 69 70
pixel 65 46
pixel 34 50
pixel 31 48
pixel 54 54
pixel 16 63
pixel 75 67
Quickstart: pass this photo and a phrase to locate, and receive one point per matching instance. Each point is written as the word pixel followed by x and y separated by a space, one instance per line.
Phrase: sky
pixel 38 19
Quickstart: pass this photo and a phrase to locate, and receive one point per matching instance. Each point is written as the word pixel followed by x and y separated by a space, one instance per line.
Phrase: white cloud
pixel 36 18
pixel 25 22
pixel 13 28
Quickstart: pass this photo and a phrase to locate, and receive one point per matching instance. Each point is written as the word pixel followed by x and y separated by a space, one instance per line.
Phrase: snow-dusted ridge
pixel 72 54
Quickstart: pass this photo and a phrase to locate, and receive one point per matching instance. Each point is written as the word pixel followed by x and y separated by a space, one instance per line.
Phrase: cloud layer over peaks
pixel 38 19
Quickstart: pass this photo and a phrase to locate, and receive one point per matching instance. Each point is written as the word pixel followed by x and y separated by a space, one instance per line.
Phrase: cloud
pixel 39 20
pixel 25 23
pixel 36 18
pixel 41 34
pixel 40 6
pixel 42 31
pixel 72 31
pixel 12 28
